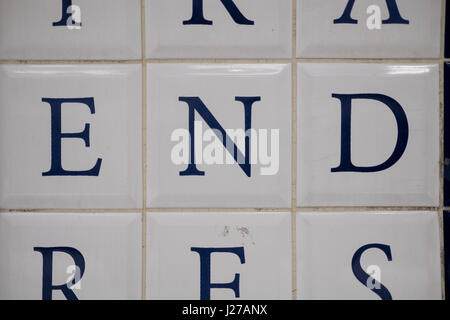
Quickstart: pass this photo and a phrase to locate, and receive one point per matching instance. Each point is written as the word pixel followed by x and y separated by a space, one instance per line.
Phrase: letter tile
pixel 70 136
pixel 369 28
pixel 212 255
pixel 219 135
pixel 368 255
pixel 70 29
pixel 219 28
pixel 447 253
pixel 74 256
pixel 368 134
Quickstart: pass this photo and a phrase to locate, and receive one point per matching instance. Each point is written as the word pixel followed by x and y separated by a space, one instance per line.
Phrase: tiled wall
pixel 112 186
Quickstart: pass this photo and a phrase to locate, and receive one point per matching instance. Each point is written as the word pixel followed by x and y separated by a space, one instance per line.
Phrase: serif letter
pixel 362 276
pixel 196 104
pixel 346 164
pixel 66 4
pixel 205 271
pixel 394 14
pixel 230 6
pixel 56 136
pixel 47 271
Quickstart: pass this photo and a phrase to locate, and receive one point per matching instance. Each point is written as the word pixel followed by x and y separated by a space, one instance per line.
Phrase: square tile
pixel 368 134
pixel 222 105
pixel 82 255
pixel 447 253
pixel 70 29
pixel 70 136
pixel 219 29
pixel 247 254
pixel 368 28
pixel 368 255
pixel 446 134
pixel 447 29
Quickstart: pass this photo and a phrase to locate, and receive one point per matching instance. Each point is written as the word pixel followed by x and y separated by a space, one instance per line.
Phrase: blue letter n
pixel 196 104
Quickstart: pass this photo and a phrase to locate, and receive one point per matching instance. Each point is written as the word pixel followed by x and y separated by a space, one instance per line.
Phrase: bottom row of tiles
pixel 339 255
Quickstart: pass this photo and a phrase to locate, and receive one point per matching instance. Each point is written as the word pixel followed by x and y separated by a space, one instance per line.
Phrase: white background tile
pixel 412 180
pixel 109 242
pixel 223 185
pixel 269 36
pixel 173 270
pixel 110 29
pixel 319 37
pixel 327 242
pixel 115 136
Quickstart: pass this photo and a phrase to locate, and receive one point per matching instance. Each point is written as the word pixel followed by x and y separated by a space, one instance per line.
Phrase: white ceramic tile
pixel 415 34
pixel 110 29
pixel 399 249
pixel 403 159
pixel 255 246
pixel 265 182
pixel 250 29
pixel 28 169
pixel 36 244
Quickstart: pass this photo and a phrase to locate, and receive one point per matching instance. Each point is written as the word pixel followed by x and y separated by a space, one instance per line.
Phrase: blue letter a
pixel 394 14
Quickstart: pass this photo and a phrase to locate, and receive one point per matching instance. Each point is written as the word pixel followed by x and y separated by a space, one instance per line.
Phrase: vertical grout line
pixel 294 150
pixel 144 152
pixel 441 155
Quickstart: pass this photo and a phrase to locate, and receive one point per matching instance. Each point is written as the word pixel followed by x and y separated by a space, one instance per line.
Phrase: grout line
pixel 441 147
pixel 144 152
pixel 65 210
pixel 294 150
pixel 363 209
pixel 221 209
pixel 213 209
pixel 223 61
pixel 65 62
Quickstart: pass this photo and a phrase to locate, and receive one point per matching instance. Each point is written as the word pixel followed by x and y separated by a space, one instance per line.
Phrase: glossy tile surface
pixel 447 253
pixel 38 250
pixel 368 135
pixel 447 30
pixel 110 29
pixel 368 28
pixel 219 29
pixel 70 136
pixel 446 134
pixel 336 252
pixel 256 250
pixel 230 97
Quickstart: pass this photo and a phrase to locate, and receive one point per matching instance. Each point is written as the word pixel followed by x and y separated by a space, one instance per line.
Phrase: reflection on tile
pixel 245 255
pixel 368 134
pixel 368 255
pixel 70 136
pixel 219 29
pixel 70 29
pixel 368 28
pixel 98 254
pixel 190 100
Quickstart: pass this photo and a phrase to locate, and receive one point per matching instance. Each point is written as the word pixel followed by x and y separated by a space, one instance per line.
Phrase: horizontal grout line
pixel 223 61
pixel 212 209
pixel 137 61
pixel 74 210
pixel 365 209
